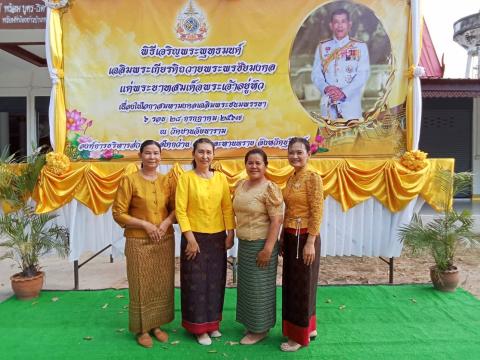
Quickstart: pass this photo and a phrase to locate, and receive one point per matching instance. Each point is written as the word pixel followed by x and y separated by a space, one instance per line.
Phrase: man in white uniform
pixel 340 71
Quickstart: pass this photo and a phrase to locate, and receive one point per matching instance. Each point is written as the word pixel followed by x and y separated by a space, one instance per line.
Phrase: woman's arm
pixel 181 202
pixel 120 208
pixel 274 206
pixel 315 202
pixel 192 248
pixel 263 257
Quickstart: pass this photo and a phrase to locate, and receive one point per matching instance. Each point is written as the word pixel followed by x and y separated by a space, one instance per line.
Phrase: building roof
pixel 451 88
pixel 428 57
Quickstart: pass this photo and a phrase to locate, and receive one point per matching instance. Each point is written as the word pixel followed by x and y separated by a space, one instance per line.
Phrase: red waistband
pixel 294 231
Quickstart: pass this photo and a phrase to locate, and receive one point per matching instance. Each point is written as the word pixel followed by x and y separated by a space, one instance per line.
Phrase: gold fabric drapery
pixel 55 39
pixel 348 181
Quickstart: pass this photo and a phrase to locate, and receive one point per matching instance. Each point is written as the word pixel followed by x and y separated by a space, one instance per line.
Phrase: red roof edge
pixel 428 57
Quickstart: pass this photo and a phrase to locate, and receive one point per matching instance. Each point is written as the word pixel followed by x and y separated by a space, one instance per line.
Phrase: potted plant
pixel 26 235
pixel 442 236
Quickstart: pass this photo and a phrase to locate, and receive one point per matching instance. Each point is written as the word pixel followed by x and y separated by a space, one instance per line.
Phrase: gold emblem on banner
pixel 191 24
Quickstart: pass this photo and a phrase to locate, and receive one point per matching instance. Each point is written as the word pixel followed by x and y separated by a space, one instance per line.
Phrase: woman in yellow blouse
pixel 144 205
pixel 258 207
pixel 204 212
pixel 303 196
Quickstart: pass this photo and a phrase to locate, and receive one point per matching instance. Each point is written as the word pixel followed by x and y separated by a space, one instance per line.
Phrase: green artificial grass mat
pixel 354 322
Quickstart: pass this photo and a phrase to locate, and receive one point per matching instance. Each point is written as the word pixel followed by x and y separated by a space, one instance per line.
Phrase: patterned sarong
pixel 299 289
pixel 256 288
pixel 150 274
pixel 203 283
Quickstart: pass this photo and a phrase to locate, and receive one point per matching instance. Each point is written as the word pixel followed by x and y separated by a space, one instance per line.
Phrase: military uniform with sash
pixel 345 64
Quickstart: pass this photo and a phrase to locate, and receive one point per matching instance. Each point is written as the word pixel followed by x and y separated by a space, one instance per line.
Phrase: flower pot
pixel 445 280
pixel 27 287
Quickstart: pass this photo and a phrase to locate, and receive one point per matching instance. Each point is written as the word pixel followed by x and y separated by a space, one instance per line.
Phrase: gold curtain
pixel 347 181
pixel 56 51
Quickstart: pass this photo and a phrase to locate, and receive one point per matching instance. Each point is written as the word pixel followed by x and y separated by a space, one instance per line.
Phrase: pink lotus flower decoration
pixel 317 145
pixel 95 154
pixel 108 154
pixel 74 120
pixel 84 139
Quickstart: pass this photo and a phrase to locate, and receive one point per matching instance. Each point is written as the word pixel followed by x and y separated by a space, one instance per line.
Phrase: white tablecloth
pixel 368 229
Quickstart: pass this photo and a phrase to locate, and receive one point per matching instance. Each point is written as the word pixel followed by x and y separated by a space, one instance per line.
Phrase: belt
pixel 295 231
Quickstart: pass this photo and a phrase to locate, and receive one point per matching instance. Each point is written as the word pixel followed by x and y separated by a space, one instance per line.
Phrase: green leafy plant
pixel 442 236
pixel 26 235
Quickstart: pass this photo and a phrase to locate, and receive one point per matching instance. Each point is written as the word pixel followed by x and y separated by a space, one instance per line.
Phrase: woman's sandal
pixel 160 335
pixel 253 338
pixel 204 339
pixel 144 340
pixel 215 334
pixel 286 346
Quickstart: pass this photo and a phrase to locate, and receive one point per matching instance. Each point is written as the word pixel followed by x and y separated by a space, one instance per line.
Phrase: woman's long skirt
pixel 299 289
pixel 203 283
pixel 256 288
pixel 150 274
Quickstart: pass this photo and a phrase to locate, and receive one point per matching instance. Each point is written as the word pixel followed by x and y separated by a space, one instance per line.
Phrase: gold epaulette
pixel 356 40
pixel 323 41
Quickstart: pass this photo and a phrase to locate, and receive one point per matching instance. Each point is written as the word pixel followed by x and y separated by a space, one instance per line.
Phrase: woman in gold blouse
pixel 204 212
pixel 303 196
pixel 258 207
pixel 144 205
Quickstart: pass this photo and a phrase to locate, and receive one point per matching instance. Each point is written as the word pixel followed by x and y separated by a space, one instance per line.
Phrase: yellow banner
pixel 243 73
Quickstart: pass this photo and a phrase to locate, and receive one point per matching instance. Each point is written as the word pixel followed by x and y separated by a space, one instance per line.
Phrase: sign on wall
pixel 22 14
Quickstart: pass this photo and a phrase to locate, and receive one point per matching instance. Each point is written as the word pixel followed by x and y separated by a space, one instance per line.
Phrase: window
pixel 41 120
pixel 13 124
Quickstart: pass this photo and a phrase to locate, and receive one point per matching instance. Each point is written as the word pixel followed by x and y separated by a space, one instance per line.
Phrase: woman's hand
pixel 309 250
pixel 192 249
pixel 152 231
pixel 163 228
pixel 229 240
pixel 263 257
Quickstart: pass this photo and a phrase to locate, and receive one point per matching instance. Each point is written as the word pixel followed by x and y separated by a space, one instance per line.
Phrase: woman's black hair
pixel 150 142
pixel 195 145
pixel 301 140
pixel 259 152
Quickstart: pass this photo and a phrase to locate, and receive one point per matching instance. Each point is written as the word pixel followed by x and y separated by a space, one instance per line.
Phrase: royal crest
pixel 191 24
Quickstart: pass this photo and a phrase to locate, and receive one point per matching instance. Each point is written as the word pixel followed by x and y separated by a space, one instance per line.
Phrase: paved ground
pixel 100 273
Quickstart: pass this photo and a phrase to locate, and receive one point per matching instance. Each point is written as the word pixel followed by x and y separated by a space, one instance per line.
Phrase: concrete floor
pixel 99 273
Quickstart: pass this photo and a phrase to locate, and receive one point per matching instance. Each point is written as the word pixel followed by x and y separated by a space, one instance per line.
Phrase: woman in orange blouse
pixel 205 215
pixel 303 196
pixel 144 205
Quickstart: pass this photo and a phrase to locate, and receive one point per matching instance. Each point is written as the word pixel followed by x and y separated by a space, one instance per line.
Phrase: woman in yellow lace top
pixel 258 207
pixel 303 196
pixel 204 212
pixel 144 205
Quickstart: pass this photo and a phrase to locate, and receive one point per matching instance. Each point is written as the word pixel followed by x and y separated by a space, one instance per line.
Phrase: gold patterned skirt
pixel 150 274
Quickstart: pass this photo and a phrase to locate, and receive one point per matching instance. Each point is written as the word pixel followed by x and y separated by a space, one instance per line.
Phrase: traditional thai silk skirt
pixel 299 289
pixel 150 273
pixel 256 288
pixel 203 283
